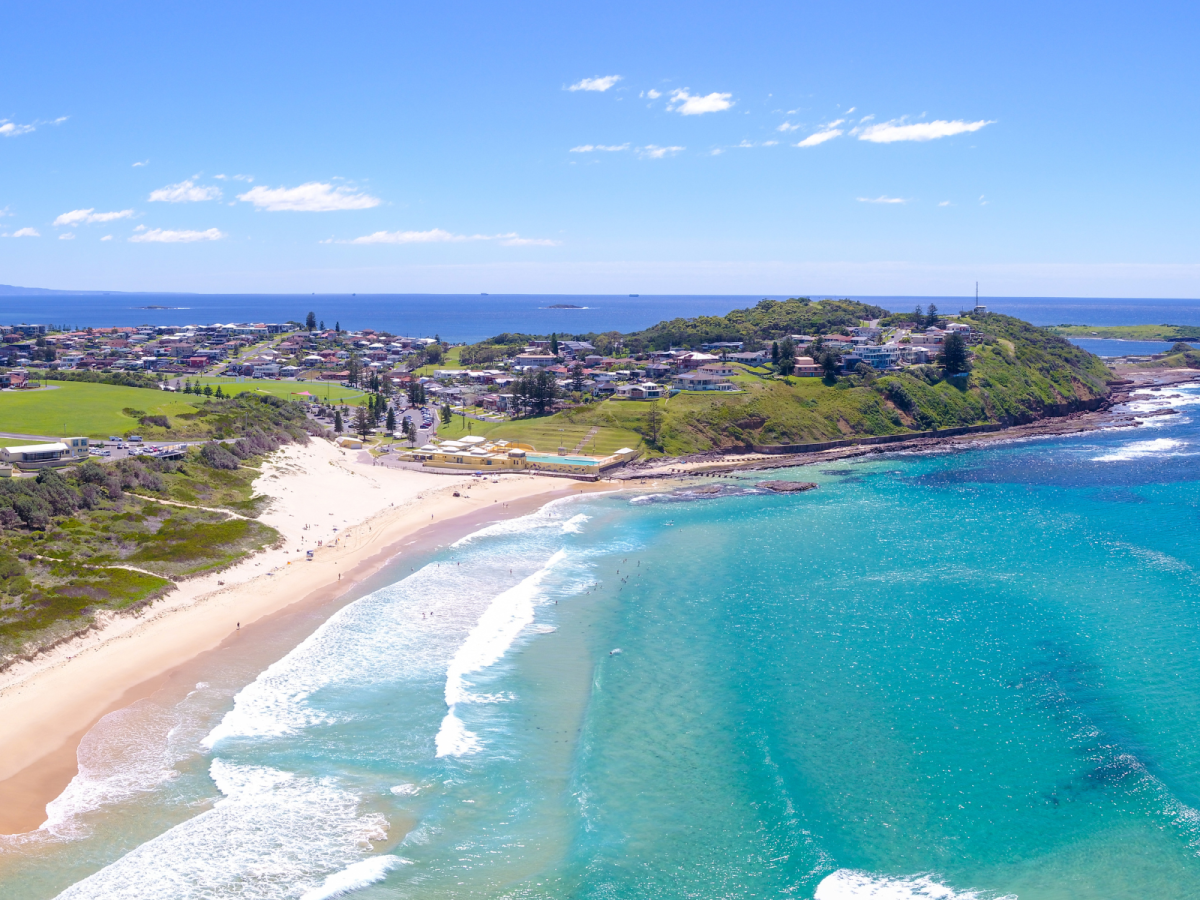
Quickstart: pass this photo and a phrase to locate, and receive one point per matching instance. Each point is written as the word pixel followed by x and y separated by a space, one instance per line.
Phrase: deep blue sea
pixel 966 674
pixel 472 317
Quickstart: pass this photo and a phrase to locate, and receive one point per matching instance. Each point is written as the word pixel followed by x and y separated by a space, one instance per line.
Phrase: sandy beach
pixel 362 515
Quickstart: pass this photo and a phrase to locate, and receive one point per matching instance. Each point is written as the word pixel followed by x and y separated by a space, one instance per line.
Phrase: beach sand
pixel 364 515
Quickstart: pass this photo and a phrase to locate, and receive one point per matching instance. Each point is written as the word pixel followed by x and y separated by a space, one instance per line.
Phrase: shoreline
pixel 48 704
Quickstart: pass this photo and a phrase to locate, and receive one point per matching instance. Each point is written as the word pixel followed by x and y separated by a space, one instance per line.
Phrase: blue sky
pixel 753 148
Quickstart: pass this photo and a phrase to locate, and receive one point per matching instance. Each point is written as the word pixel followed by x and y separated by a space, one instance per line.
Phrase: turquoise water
pixel 955 675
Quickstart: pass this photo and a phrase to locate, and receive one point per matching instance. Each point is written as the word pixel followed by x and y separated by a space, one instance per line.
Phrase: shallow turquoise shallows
pixel 970 674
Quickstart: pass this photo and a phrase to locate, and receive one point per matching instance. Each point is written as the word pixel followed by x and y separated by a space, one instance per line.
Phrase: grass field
pixel 450 360
pixel 288 390
pixel 78 408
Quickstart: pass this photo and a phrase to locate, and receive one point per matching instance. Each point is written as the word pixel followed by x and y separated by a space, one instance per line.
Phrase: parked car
pixel 135 439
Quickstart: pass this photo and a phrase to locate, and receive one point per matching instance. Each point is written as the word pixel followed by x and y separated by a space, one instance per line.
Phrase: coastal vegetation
pixel 113 536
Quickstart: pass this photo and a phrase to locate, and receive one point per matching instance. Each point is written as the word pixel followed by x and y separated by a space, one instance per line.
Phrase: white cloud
pixel 607 148
pixel 653 94
pixel 945 203
pixel 787 126
pixel 185 192
pixel 246 178
pixel 694 105
pixel 899 130
pixel 514 241
pixel 820 137
pixel 67 236
pixel 12 129
pixel 144 162
pixel 311 197
pixel 440 236
pixel 882 199
pixel 82 216
pixel 595 84
pixel 107 237
pixel 652 151
pixel 26 232
pixel 162 236
pixel 770 143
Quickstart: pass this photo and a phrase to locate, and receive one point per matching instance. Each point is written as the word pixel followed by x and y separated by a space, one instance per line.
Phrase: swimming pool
pixel 571 460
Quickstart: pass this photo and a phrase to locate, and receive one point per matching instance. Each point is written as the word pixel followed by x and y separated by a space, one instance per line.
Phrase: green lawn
pixel 289 390
pixel 450 360
pixel 78 408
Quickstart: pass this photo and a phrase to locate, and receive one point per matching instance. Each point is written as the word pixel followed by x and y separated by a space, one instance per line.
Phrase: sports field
pixel 70 408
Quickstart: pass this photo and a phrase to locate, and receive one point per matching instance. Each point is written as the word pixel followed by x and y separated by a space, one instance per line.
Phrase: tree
pixel 355 369
pixel 931 317
pixel 553 344
pixel 220 394
pixel 829 364
pixel 410 431
pixel 774 352
pixel 208 391
pixel 446 414
pixel 337 327
pixel 577 378
pixel 310 321
pixel 919 315
pixel 362 422
pixel 654 423
pixel 391 421
pixel 954 354
pixel 787 357
pixel 337 422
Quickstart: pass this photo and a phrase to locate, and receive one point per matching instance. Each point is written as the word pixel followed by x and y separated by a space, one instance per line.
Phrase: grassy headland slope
pixel 1181 356
pixel 1019 373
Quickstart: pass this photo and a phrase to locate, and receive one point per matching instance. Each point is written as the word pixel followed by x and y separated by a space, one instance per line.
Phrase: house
pixel 690 361
pixel 17 378
pixel 751 357
pixel 534 359
pixel 346 442
pixel 702 381
pixel 645 391
pixel 197 362
pixel 289 371
pixel 723 369
pixel 806 367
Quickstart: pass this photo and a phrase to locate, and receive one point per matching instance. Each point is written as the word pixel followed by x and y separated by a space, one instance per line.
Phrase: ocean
pixel 964 674
pixel 473 317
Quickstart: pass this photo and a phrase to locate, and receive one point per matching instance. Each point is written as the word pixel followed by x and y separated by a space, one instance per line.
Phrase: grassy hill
pixel 1019 373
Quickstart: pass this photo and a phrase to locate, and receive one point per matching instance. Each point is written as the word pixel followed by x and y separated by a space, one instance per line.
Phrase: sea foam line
pixel 1141 450
pixel 849 884
pixel 504 619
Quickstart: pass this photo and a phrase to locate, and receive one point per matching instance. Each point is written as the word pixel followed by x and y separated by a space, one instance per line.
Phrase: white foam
pixel 1142 450
pixel 848 884
pixel 354 877
pixel 274 835
pixel 504 619
pixel 126 753
pixel 405 790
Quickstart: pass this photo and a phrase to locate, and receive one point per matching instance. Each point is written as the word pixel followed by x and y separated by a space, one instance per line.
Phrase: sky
pixel 799 148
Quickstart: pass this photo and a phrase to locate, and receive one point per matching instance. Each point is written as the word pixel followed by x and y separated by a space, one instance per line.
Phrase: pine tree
pixel 310 321
pixel 446 414
pixel 362 422
pixel 337 422
pixel 954 355
pixel 554 344
pixel 391 421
